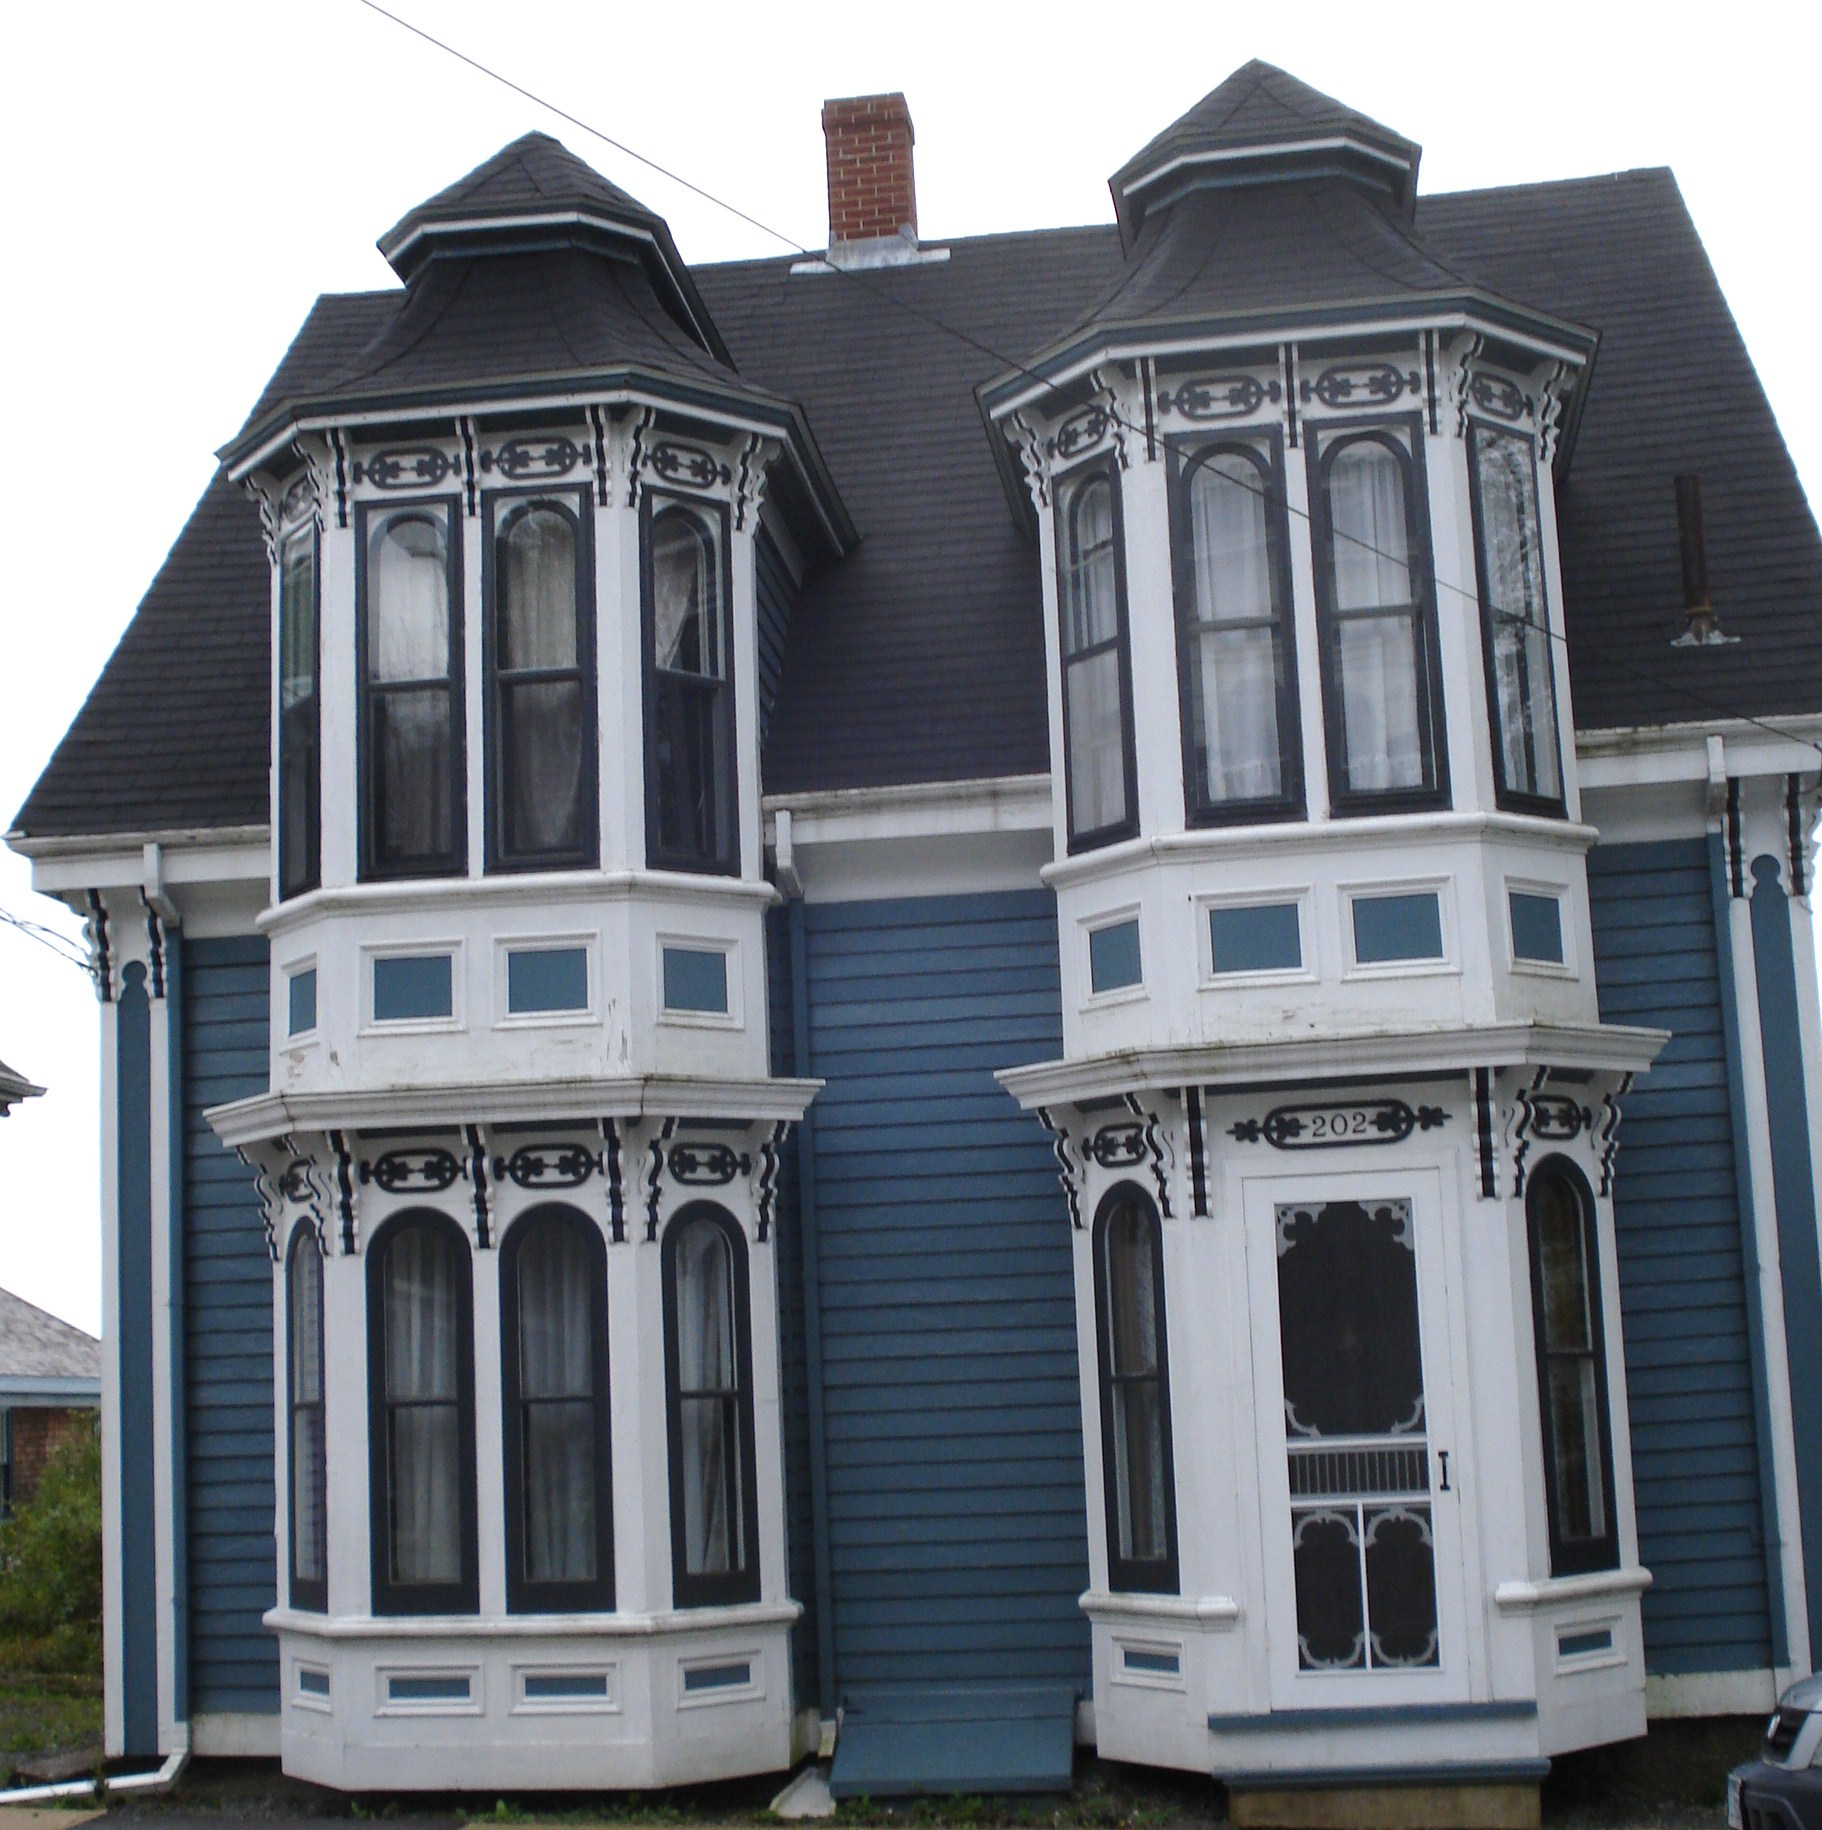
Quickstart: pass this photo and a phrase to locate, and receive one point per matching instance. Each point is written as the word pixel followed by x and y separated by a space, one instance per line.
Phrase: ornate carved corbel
pixel 1069 1170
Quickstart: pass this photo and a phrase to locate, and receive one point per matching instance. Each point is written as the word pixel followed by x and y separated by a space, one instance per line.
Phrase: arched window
pixel 1135 1394
pixel 1236 659
pixel 420 1395
pixel 1097 688
pixel 1515 618
pixel 553 1349
pixel 691 818
pixel 304 1396
pixel 542 790
pixel 299 717
pixel 1571 1370
pixel 1381 686
pixel 708 1360
pixel 411 725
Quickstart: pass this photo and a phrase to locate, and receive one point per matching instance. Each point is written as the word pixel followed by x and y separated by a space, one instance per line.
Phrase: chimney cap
pixel 859 110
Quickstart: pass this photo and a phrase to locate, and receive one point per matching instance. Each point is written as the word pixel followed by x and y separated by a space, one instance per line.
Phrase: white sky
pixel 185 178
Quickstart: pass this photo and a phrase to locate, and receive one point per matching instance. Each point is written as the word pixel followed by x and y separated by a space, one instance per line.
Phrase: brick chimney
pixel 872 192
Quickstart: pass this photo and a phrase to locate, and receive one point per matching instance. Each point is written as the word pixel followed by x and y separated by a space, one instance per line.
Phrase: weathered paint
pixel 1793 1179
pixel 228 1323
pixel 1695 1445
pixel 957 1514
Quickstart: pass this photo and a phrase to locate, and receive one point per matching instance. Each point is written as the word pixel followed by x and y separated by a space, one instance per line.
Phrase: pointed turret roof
pixel 1262 126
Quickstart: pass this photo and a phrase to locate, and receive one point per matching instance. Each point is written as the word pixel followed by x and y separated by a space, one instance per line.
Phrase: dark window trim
pixel 1129 1574
pixel 296 877
pixel 727 864
pixel 523 1594
pixel 1066 489
pixel 705 1591
pixel 1511 799
pixel 500 507
pixel 462 1596
pixel 1186 456
pixel 304 1592
pixel 455 862
pixel 1591 1554
pixel 1323 441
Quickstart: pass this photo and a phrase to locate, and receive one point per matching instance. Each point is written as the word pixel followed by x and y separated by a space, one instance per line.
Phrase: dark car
pixel 1782 1789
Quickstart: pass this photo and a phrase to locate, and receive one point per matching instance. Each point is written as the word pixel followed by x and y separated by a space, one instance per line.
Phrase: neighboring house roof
pixel 42 1356
pixel 919 656
pixel 14 1087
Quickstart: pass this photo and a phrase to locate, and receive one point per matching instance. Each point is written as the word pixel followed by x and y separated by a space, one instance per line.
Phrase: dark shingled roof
pixel 920 656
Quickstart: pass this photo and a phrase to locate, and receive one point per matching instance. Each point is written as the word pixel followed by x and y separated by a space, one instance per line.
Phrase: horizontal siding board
pixel 1682 1282
pixel 952 1423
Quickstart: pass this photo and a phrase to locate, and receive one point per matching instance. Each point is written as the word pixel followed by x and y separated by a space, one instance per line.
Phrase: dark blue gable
pixel 1696 1452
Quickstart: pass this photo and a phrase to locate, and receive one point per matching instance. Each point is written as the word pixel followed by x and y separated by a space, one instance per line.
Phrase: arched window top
pixel 1229 492
pixel 1091 606
pixel 408 597
pixel 538 597
pixel 306 1453
pixel 686 580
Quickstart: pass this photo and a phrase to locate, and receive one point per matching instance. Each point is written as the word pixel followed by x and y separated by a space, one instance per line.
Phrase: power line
pixel 936 322
pixel 58 943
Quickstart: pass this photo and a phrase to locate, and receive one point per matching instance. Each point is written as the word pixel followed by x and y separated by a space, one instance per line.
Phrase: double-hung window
pixel 412 821
pixel 553 1350
pixel 1571 1370
pixel 709 1377
pixel 1515 618
pixel 691 815
pixel 1381 674
pixel 540 657
pixel 1135 1395
pixel 420 1425
pixel 307 1449
pixel 299 716
pixel 1235 648
pixel 1099 771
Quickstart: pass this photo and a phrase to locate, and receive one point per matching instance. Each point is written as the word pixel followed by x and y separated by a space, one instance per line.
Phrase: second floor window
pixel 541 782
pixel 299 722
pixel 1099 772
pixel 1382 690
pixel 1236 663
pixel 412 821
pixel 691 815
pixel 1515 617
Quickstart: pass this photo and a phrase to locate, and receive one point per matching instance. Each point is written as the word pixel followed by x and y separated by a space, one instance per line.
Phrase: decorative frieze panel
pixel 1333 1124
pixel 1344 386
pixel 1216 399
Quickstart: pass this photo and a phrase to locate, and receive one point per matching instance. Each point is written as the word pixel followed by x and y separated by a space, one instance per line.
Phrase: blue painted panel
pixel 1113 957
pixel 133 1343
pixel 301 1011
pixel 546 978
pixel 1695 1442
pixel 1266 937
pixel 228 1326
pixel 696 978
pixel 1537 927
pixel 411 987
pixel 1397 928
pixel 952 1430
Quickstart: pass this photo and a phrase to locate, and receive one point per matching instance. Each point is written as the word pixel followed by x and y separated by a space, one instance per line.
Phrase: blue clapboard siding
pixel 775 594
pixel 954 1445
pixel 1695 1451
pixel 228 1326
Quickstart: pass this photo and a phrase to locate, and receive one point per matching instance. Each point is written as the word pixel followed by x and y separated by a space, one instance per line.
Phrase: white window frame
pixel 456 1021
pixel 734 1017
pixel 1559 894
pixel 1087 927
pixel 505 1017
pixel 1442 887
pixel 304 1038
pixel 1301 894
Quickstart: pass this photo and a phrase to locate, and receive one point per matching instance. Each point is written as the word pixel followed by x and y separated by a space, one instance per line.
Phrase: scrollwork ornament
pixel 1031 456
pixel 1069 1171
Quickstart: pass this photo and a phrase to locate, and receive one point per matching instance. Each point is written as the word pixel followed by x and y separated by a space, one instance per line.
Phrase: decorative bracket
pixel 344 1192
pixel 597 451
pixel 1198 1152
pixel 636 458
pixel 1553 385
pixel 765 1183
pixel 1157 1148
pixel 1610 1131
pixel 1031 455
pixel 1069 1172
pixel 476 1171
pixel 654 1180
pixel 95 934
pixel 1485 1151
pixel 338 447
pixel 616 1181
pixel 154 945
pixel 471 480
pixel 750 479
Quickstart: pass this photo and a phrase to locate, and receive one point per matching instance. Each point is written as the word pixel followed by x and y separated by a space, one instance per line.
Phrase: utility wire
pixel 58 943
pixel 936 322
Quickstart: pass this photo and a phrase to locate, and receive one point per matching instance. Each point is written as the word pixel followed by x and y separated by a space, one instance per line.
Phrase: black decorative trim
pixel 425 1169
pixel 339 446
pixel 1524 1102
pixel 654 1178
pixel 1360 384
pixel 1154 1145
pixel 477 1174
pixel 641 426
pixel 1068 1172
pixel 1081 431
pixel 1558 1119
pixel 766 1193
pixel 1198 1158
pixel 271 1199
pixel 616 1181
pixel 1496 395
pixel 1736 858
pixel 344 1190
pixel 101 965
pixel 1429 377
pixel 405 467
pixel 1483 1132
pixel 1120 1146
pixel 1335 1125
pixel 155 942
pixel 465 429
pixel 536 457
pixel 1793 813
pixel 710 1165
pixel 748 452
pixel 1147 376
pixel 1287 360
pixel 1610 1132
pixel 689 465
pixel 1220 397
pixel 597 425
pixel 546 1166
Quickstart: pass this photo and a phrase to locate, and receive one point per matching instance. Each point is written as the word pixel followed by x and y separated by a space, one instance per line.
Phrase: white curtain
pixel 407 600
pixel 1234 679
pixel 538 608
pixel 1378 654
pixel 557 1392
pixel 686 635
pixel 708 1398
pixel 1097 749
pixel 423 1406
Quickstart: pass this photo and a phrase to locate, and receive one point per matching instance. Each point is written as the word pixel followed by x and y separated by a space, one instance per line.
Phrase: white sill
pixel 412 1026
pixel 1402 969
pixel 1121 994
pixel 1268 975
pixel 1525 1597
pixel 744 1614
pixel 1543 969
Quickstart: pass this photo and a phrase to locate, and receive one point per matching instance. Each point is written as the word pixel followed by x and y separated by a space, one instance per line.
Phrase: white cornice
pixel 484 1627
pixel 447 1105
pixel 1361 1055
pixel 1602 1585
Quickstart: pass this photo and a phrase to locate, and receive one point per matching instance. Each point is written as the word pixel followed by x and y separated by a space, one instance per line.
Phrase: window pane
pixel 422 1315
pixel 1235 678
pixel 407 599
pixel 1378 660
pixel 410 738
pixel 686 626
pixel 1113 957
pixel 309 1521
pixel 705 1310
pixel 306 1323
pixel 559 1446
pixel 1138 1460
pixel 556 1309
pixel 711 1474
pixel 1089 585
pixel 1581 1506
pixel 1132 1326
pixel 538 591
pixel 1366 505
pixel 708 1400
pixel 426 1494
pixel 1228 532
pixel 542 750
pixel 1097 751
pixel 297 620
pixel 687 744
pixel 1563 1268
pixel 421 1320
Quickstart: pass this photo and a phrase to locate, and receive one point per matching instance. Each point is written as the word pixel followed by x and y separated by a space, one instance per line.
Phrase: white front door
pixel 1358 1475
